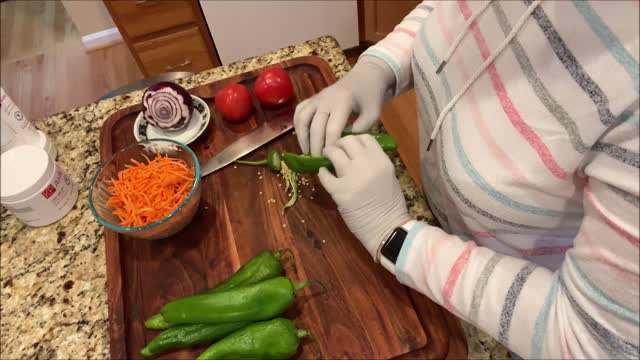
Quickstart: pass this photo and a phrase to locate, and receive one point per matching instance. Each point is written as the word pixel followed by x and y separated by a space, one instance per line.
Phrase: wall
pixel 242 29
pixel 89 16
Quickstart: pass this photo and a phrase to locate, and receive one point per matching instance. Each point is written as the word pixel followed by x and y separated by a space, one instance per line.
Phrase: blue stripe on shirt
pixel 610 41
pixel 540 327
pixel 600 297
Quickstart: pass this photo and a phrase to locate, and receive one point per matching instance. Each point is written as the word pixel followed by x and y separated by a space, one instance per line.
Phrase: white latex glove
pixel 365 189
pixel 320 120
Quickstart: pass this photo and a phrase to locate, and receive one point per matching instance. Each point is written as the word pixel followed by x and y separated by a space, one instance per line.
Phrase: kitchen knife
pixel 245 145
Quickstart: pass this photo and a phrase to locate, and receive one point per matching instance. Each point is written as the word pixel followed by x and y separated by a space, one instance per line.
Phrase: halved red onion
pixel 167 105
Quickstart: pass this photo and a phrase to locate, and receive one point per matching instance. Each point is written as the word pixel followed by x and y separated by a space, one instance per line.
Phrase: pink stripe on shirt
pixel 405 30
pixel 478 118
pixel 507 105
pixel 455 272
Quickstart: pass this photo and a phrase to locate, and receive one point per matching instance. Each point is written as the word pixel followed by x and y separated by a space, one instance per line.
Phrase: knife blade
pixel 245 145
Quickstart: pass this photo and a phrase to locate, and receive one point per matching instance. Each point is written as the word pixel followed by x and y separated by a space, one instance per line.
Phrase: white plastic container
pixel 33 186
pixel 17 129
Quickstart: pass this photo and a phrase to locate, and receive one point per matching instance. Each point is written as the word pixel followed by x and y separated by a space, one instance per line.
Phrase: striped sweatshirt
pixel 534 171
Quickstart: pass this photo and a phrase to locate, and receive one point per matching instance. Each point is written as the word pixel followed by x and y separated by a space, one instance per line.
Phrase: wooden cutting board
pixel 365 312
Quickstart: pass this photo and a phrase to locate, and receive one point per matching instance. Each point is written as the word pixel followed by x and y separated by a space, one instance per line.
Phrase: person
pixel 528 123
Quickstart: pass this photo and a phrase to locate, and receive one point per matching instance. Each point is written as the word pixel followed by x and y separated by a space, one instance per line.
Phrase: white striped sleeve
pixel 397 47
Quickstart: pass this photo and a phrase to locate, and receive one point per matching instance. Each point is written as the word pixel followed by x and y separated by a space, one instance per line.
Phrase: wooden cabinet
pixel 165 35
pixel 379 17
pixel 400 120
pixel 179 51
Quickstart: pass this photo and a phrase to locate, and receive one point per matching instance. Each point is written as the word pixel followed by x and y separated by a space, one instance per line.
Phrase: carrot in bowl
pixel 144 193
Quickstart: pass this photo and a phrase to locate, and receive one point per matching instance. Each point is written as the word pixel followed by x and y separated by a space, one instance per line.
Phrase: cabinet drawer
pixel 143 17
pixel 181 51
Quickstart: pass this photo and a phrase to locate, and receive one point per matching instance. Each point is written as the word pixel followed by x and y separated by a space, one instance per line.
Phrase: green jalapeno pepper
pixel 263 266
pixel 387 142
pixel 182 336
pixel 255 302
pixel 273 339
pixel 303 164
pixel 311 164
pixel 272 161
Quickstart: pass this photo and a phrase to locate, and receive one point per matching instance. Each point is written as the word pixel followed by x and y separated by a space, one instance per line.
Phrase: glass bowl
pixel 169 225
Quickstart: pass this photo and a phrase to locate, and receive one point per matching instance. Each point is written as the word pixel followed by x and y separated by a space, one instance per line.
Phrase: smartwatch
pixel 390 247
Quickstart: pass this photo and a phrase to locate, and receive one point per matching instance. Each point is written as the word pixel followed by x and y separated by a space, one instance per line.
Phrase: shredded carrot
pixel 144 193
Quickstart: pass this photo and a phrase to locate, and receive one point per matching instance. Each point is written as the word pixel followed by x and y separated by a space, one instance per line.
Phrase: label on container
pixel 51 204
pixel 14 118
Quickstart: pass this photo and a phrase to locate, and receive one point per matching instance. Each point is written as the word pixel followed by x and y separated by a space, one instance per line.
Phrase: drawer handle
pixel 140 2
pixel 184 63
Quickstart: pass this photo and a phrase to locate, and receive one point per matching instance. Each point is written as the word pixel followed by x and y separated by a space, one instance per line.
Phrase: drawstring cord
pixel 482 69
pixel 460 36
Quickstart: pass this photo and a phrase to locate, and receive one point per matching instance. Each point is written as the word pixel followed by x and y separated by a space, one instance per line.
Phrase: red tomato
pixel 234 102
pixel 273 87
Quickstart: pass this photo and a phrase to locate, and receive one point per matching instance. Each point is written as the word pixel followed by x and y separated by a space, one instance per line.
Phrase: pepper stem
pixel 324 288
pixel 300 333
pixel 280 253
pixel 254 163
pixel 299 285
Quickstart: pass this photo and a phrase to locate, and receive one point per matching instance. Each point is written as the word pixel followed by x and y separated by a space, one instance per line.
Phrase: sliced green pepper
pixel 311 164
pixel 260 301
pixel 263 266
pixel 183 336
pixel 274 339
pixel 387 142
pixel 272 161
pixel 303 164
pixel 291 181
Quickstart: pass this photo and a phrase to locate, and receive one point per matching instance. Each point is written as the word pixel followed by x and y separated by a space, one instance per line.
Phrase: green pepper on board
pixel 274 339
pixel 263 266
pixel 156 322
pixel 272 161
pixel 260 301
pixel 182 336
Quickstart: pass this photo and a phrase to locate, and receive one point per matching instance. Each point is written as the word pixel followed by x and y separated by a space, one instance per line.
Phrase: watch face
pixel 391 248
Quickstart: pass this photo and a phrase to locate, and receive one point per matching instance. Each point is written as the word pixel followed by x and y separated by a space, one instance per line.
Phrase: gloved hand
pixel 365 189
pixel 319 120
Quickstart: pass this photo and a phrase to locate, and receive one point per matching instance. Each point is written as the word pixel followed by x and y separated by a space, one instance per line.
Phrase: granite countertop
pixel 53 279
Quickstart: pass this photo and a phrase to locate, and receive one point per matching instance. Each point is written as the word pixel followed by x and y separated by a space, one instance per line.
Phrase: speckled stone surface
pixel 53 279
